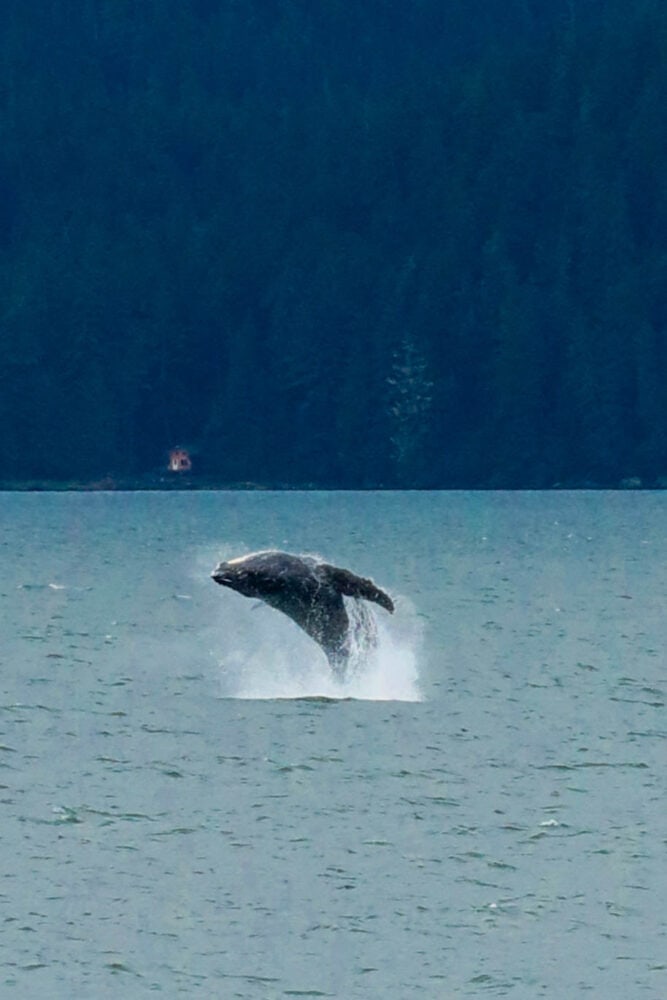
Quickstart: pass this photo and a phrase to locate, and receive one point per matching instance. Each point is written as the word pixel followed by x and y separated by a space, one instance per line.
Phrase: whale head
pixel 253 575
pixel 237 576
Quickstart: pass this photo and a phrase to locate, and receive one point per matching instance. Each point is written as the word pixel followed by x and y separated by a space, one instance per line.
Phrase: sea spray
pixel 274 660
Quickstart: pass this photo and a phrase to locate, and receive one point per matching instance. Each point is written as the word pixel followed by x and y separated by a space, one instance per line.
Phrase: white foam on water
pixel 285 664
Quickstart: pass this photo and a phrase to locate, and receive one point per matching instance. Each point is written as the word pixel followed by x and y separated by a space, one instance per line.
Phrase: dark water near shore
pixel 191 806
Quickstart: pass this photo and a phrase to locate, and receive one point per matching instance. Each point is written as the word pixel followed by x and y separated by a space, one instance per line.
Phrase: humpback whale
pixel 311 593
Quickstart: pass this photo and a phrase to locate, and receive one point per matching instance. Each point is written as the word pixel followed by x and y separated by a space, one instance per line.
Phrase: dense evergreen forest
pixel 317 242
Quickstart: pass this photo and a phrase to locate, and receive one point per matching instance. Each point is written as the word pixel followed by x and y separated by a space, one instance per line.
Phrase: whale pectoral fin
pixel 349 585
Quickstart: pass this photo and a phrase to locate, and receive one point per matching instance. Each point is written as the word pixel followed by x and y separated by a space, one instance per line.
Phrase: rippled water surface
pixel 191 806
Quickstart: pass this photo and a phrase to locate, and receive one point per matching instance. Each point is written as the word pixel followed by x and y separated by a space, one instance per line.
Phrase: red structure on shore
pixel 179 460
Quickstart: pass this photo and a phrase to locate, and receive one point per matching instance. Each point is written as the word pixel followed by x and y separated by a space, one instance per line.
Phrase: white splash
pixel 286 664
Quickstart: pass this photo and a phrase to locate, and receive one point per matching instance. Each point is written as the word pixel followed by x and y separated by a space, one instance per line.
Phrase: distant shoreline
pixel 182 483
pixel 111 484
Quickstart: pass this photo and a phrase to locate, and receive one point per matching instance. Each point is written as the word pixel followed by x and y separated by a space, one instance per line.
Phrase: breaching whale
pixel 308 591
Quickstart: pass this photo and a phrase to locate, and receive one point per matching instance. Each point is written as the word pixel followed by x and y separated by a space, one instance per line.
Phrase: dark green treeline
pixel 332 243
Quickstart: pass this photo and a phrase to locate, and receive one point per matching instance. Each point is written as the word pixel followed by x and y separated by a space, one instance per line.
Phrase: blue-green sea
pixel 192 806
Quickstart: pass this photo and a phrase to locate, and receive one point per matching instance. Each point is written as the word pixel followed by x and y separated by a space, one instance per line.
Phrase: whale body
pixel 310 592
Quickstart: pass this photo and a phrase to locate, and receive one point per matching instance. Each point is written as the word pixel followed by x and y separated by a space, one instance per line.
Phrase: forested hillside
pixel 327 243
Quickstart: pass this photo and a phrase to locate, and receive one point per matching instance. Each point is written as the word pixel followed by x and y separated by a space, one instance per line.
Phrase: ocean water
pixel 192 806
